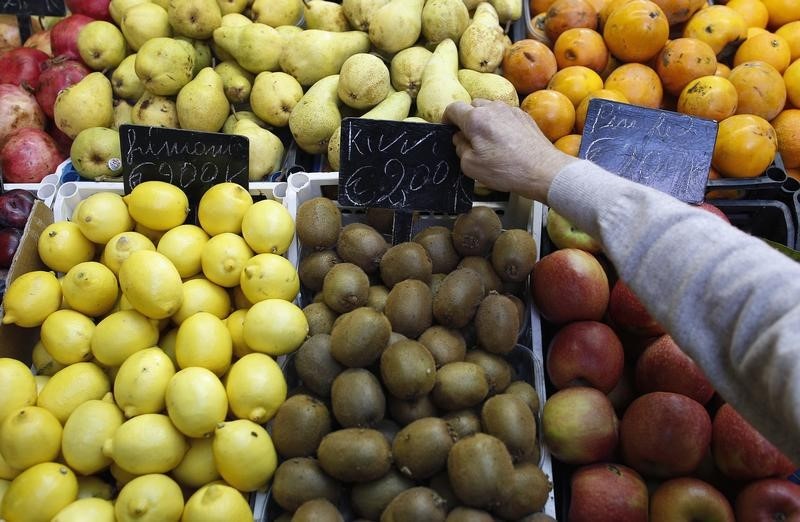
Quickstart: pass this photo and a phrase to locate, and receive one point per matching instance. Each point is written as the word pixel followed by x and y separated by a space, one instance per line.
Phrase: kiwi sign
pixel 665 150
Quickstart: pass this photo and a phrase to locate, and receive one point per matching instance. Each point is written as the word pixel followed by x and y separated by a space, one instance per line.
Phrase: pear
pixel 231 6
pixel 440 85
pixel 507 10
pixel 234 118
pixel 397 25
pixel 87 103
pixel 101 45
pixel 395 107
pixel 202 53
pixel 359 12
pixel 415 119
pixel 266 149
pixel 228 20
pixel 202 104
pixel 482 44
pixel 123 113
pixel 273 97
pixel 165 65
pixel 143 22
pixel 444 19
pixel 406 69
pixel 117 8
pixel 256 47
pixel 287 32
pixel 124 81
pixel 95 153
pixel 314 54
pixel 364 81
pixel 316 116
pixel 194 18
pixel 236 81
pixel 488 86
pixel 325 15
pixel 277 12
pixel 155 111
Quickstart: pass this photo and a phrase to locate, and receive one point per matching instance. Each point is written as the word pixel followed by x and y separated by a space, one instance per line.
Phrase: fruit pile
pixel 155 368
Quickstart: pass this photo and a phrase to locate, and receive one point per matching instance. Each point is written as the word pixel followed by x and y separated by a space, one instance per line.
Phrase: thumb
pixel 456 113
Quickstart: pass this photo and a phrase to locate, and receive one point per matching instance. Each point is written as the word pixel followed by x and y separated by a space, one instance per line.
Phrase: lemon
pixel 182 245
pixel 41 380
pixel 152 235
pixel 71 387
pixel 244 454
pixel 123 245
pixel 43 361
pixel 197 467
pixel 89 426
pixel 269 276
pixel 235 324
pixel 275 327
pixel 121 334
pixel 268 227
pixel 215 502
pixel 30 298
pixel 94 509
pixel 150 498
pixel 67 336
pixel 62 245
pixel 203 340
pixel 121 476
pixel 157 205
pixel 6 473
pixel 102 216
pixel 223 258
pixel 90 288
pixel 196 401
pixel 28 436
pixel 239 299
pixel 148 443
pixel 167 343
pixel 201 295
pixel 17 386
pixel 151 283
pixel 39 492
pixel 222 207
pixel 92 486
pixel 256 387
pixel 142 381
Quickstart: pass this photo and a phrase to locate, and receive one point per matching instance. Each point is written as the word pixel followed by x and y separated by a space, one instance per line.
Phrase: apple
pixel 607 492
pixel 15 207
pixel 741 452
pixel 627 312
pixel 64 36
pixel 570 285
pixel 768 500
pixel 624 392
pixel 665 367
pixel 664 434
pixel 585 353
pixel 564 235
pixel 687 499
pixel 95 9
pixel 714 210
pixel 579 425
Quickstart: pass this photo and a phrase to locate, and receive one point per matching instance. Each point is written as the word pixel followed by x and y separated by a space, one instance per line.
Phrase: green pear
pixel 101 45
pixel 316 115
pixel 123 113
pixel 117 8
pixel 155 111
pixel 397 25
pixel 144 22
pixel 95 153
pixel 256 47
pixel 234 118
pixel 315 54
pixel 202 104
pixel 488 86
pixel 228 20
pixel 236 81
pixel 287 32
pixel 124 81
pixel 440 85
pixel 364 81
pixel 406 69
pixel 165 65
pixel 88 103
pixel 194 18
pixel 273 97
pixel 325 15
pixel 444 19
pixel 266 149
pixel 202 53
pixel 231 6
pixel 359 12
pixel 277 12
pixel 482 44
pixel 507 10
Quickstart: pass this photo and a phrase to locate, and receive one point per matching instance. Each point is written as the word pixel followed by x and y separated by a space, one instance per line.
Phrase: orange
pixel 636 31
pixel 607 9
pixel 678 11
pixel 787 128
pixel 569 144
pixel 793 173
pixel 575 82
pixel 746 145
pixel 719 26
pixel 761 91
pixel 722 70
pixel 752 31
pixel 682 60
pixel 566 14
pixel 767 47
pixel 552 111
pixel 791 78
pixel 722 193
pixel 581 46
pixel 791 33
pixel 638 83
pixel 712 97
pixel 754 12
pixel 583 106
pixel 529 64
pixel 598 4
pixel 782 12
pixel 540 6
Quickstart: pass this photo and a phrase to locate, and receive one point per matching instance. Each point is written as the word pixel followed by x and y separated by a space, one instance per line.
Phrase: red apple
pixel 624 392
pixel 664 434
pixel 64 36
pixel 768 500
pixel 714 210
pixel 570 285
pixel 743 453
pixel 96 9
pixel 579 425
pixel 564 235
pixel 665 367
pixel 607 493
pixel 585 353
pixel 627 312
pixel 687 499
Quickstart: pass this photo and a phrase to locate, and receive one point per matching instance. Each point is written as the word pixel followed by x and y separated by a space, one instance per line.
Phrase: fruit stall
pixel 216 309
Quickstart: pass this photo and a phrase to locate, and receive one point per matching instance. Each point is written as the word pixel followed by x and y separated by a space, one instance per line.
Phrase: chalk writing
pixel 33 7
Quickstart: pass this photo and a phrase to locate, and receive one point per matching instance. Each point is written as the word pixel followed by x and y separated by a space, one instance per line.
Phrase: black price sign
pixel 665 150
pixel 33 7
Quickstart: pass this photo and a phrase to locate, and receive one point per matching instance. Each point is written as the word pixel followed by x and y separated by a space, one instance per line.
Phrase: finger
pixel 480 102
pixel 461 143
pixel 456 113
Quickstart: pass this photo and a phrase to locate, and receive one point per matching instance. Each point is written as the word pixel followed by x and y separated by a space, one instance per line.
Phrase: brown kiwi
pixel 463 422
pixel 345 288
pixel 438 242
pixel 498 371
pixel 527 393
pixel 361 245
pixel 405 261
pixel 514 254
pixel 436 282
pixel 377 297
pixel 299 425
pixel 318 223
pixel 408 370
pixel 406 412
pixel 357 399
pixel 369 499
pixel 300 479
pixel 420 449
pixel 507 417
pixel 409 307
pixel 459 385
pixel 388 428
pixel 526 494
pixel 396 338
pixel 445 344
pixel 317 509
pixel 355 455
pixel 440 483
pixel 458 298
pixel 419 504
pixel 315 365
pixel 497 324
pixel 359 337
pixel 320 318
pixel 480 467
pixel 520 304
pixel 475 232
pixel 315 266
pixel 491 281
pixel 465 514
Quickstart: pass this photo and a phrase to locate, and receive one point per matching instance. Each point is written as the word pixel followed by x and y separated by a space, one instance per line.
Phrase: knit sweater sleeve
pixel 729 300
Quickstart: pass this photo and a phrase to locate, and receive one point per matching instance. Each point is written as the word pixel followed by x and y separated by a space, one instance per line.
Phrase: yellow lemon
pixel 216 502
pixel 150 498
pixel 142 381
pixel 203 340
pixel 121 246
pixel 256 387
pixel 30 298
pixel 275 327
pixel 151 283
pixel 121 334
pixel 167 343
pixel 152 235
pixel 84 509
pixel 43 361
pixel 183 245
pixel 222 208
pixel 201 295
pixel 239 299
pixel 223 258
pixel 7 472
pixel 67 336
pixel 94 487
pixel 196 401
pixel 85 432
pixel 29 436
pixel 39 492
pixel 121 477
pixel 90 288
pixel 71 387
pixel 268 227
pixel 197 467
pixel 17 386
pixel 244 454
pixel 62 245
pixel 148 443
pixel 41 380
pixel 235 324
pixel 157 205
pixel 102 216
pixel 269 276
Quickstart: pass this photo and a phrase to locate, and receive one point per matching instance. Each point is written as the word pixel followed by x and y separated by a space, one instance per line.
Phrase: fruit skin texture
pixel 570 285
pixel 687 498
pixel 746 145
pixel 663 366
pixel 768 500
pixel 760 89
pixel 585 352
pixel 607 492
pixel 529 64
pixel 636 31
pixel 683 60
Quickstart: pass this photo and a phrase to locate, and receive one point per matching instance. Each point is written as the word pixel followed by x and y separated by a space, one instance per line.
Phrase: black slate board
pixel 33 7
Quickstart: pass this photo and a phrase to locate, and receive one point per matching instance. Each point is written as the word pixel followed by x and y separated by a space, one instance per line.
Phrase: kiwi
pixel 355 454
pixel 318 223
pixel 359 337
pixel 408 370
pixel 299 425
pixel 438 242
pixel 420 449
pixel 440 483
pixel 405 261
pixel 361 245
pixel 320 318
pixel 445 344
pixel 376 298
pixel 357 399
pixel 520 304
pixel 498 371
pixel 497 324
pixel 345 288
pixel 388 428
pixel 479 467
pixel 299 480
pixel 315 365
pixel 465 514
pixel 409 307
pixel 491 281
pixel 458 298
pixel 475 232
pixel 514 254
pixel 507 417
pixel 526 494
pixel 396 338
pixel 316 510
pixel 369 499
pixel 459 385
pixel 419 504
pixel 315 266
pixel 527 393
pixel 406 412
pixel 436 282
pixel 463 422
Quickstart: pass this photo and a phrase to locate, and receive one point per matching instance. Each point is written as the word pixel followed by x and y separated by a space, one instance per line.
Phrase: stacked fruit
pixel 155 365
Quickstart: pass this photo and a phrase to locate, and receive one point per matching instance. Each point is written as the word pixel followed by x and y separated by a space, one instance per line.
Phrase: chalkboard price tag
pixel 33 7
pixel 665 150
pixel 191 160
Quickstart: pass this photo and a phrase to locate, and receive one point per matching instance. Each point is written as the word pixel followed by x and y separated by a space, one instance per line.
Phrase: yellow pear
pixel 202 104
pixel 444 19
pixel 273 97
pixel 482 44
pixel 123 113
pixel 364 81
pixel 440 85
pixel 202 53
pixel 397 25
pixel 277 12
pixel 194 18
pixel 406 69
pixel 256 47
pixel 231 6
pixel 234 118
pixel 165 65
pixel 117 8
pixel 88 103
pixel 316 116
pixel 314 54
pixel 325 15
pixel 155 111
pixel 359 12
pixel 489 86
pixel 236 81
pixel 266 149
pixel 101 45
pixel 143 22
pixel 124 81
pixel 507 10
pixel 228 20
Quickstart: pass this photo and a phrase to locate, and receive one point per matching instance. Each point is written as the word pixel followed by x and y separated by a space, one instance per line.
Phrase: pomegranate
pixel 64 36
pixel 95 9
pixel 41 41
pixel 28 156
pixel 18 110
pixel 58 73
pixel 22 66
